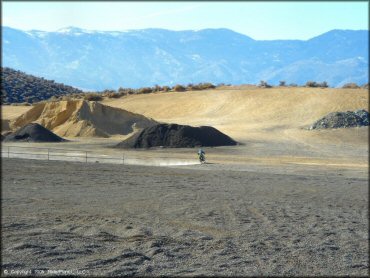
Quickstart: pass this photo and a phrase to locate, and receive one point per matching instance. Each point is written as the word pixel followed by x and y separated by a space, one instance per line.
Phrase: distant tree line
pixel 19 87
pixel 282 83
pixel 97 96
pixel 313 84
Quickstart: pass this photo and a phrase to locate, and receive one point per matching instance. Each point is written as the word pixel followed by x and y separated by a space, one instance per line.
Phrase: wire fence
pixel 88 156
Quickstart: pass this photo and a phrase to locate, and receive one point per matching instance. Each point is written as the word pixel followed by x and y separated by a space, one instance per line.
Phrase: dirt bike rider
pixel 201 155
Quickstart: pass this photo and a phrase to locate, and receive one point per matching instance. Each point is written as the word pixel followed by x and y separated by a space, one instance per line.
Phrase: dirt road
pixel 105 219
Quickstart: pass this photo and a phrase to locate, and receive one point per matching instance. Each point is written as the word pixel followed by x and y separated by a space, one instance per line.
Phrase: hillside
pixel 97 60
pixel 255 114
pixel 18 87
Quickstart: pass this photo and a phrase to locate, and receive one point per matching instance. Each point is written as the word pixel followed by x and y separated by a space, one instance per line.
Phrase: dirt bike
pixel 202 158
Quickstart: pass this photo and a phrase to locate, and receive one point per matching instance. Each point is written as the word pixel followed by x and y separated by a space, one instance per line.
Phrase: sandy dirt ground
pixel 11 112
pixel 101 219
pixel 247 114
pixel 286 201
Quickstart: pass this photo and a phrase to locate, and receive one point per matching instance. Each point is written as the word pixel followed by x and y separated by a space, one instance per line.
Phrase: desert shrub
pixel 126 91
pixel 93 97
pixel 166 88
pixel 196 87
pixel 350 86
pixel 179 88
pixel 190 87
pixel 323 84
pixel 121 91
pixel 114 95
pixel 311 84
pixel 145 90
pixel 293 85
pixel 157 88
pixel 201 86
pixel 205 86
pixel 365 86
pixel 263 84
pixel 282 83
pixel 314 84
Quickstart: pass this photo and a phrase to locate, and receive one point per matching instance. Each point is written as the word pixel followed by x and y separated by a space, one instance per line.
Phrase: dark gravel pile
pixel 177 136
pixel 343 120
pixel 33 132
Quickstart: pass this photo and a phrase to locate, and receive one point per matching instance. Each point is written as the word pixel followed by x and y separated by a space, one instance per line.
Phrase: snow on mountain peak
pixel 69 29
pixel 75 31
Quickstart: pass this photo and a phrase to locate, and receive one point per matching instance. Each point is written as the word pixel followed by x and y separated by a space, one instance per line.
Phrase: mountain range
pixel 98 60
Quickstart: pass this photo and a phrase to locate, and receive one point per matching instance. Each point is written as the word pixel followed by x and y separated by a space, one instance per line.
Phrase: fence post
pixel 48 154
pixel 8 152
pixel 86 156
pixel 123 159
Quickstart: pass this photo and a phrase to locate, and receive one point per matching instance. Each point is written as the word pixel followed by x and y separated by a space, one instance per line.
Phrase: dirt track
pixel 287 201
pixel 204 220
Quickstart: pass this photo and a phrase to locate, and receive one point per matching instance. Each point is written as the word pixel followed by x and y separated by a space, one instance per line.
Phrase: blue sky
pixel 259 20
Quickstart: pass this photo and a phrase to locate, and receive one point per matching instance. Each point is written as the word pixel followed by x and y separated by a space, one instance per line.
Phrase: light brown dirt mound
pixel 75 118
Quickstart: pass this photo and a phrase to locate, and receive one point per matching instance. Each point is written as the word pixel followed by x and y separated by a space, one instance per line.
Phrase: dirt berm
pixel 33 132
pixel 75 118
pixel 177 136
